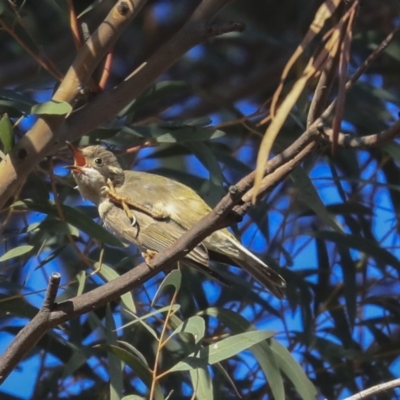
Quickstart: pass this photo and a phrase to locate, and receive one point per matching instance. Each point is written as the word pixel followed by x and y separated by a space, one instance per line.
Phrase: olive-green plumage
pixel 180 206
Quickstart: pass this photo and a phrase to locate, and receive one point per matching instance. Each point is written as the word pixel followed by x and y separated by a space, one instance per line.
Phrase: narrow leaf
pixel 109 274
pixel 142 371
pixel 52 107
pixel 174 279
pixel 310 196
pixel 16 252
pixel 115 364
pixel 202 383
pixel 194 325
pixel 222 350
pixel 72 216
pixel 6 134
pixel 291 368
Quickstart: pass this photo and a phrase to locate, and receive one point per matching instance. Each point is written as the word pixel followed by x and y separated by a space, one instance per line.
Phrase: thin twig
pixel 372 391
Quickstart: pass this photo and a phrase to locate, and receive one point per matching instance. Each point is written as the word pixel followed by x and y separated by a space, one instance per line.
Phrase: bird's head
pixel 93 166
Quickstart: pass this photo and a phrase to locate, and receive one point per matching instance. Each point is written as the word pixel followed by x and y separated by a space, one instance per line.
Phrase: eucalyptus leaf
pixel 174 279
pixel 72 216
pixel 52 107
pixel 194 325
pixel 16 252
pixel 222 350
pixel 141 370
pixel 6 134
pixel 310 196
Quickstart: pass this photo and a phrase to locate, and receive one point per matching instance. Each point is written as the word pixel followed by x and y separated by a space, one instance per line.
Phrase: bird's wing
pixel 159 235
pixel 177 201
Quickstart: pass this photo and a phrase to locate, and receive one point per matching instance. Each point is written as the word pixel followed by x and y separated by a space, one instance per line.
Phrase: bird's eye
pixel 98 161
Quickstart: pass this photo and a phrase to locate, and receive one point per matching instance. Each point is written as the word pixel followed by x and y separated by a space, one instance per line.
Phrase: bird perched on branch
pixel 152 212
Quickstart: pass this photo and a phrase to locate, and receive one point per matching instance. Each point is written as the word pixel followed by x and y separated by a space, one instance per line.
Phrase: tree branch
pixel 276 171
pixel 368 393
pixel 218 218
pixel 49 134
pixel 31 333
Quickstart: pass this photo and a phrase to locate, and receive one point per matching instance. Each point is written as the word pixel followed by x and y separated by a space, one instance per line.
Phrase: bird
pixel 152 212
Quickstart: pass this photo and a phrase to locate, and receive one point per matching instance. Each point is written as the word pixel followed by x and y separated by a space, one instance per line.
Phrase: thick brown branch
pixel 48 317
pixel 276 170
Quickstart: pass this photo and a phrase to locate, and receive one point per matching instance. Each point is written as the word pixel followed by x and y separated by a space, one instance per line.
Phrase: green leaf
pixel 261 351
pixel 17 306
pixel 81 278
pixel 15 103
pixel 73 217
pixel 133 350
pixel 16 252
pixel 194 325
pixel 207 158
pixel 52 107
pixel 155 93
pixel 109 274
pixel 6 134
pixel 115 364
pixel 78 358
pixel 310 196
pixel 142 371
pixel 349 283
pixel 291 368
pixel 174 308
pixel 182 134
pixel 366 246
pixel 202 383
pixel 222 350
pixel 178 123
pixel 174 278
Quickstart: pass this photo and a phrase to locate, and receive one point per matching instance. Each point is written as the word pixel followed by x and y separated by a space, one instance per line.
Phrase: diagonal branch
pixel 238 199
pixel 219 217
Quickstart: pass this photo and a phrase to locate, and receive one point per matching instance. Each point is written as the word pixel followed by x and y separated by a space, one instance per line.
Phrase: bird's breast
pixel 116 220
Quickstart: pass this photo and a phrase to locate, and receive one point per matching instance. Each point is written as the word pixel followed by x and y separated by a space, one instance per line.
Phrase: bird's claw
pixel 109 190
pixel 148 256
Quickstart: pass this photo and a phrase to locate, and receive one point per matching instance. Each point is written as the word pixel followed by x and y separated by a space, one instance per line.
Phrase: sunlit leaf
pixel 174 279
pixel 222 350
pixel 16 252
pixel 6 134
pixel 194 325
pixel 202 383
pixel 52 107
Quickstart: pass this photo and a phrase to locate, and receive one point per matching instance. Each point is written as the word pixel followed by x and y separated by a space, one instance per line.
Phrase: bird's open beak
pixel 79 159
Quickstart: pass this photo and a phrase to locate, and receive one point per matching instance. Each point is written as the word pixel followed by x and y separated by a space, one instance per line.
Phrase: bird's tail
pixel 260 271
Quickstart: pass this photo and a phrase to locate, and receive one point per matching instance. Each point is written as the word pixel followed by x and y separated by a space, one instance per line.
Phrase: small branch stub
pixel 51 294
pixel 123 8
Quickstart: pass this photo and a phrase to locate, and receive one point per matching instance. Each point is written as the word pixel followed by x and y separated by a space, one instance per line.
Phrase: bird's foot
pixel 129 213
pixel 148 256
pixel 110 191
pixel 157 211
